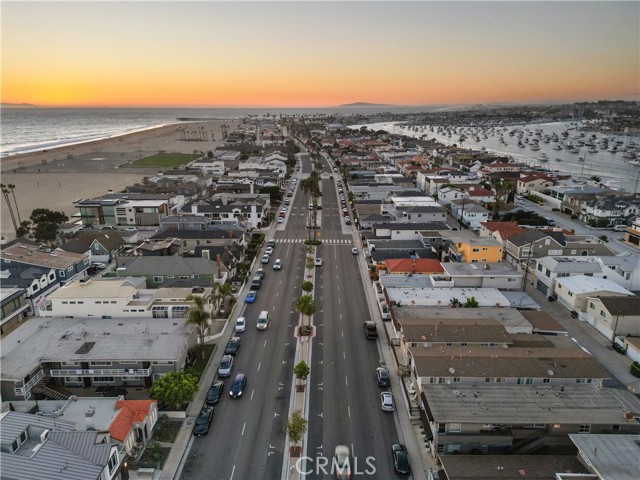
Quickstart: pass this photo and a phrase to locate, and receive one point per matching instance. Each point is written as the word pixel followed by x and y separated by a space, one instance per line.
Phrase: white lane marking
pixel 265 344
pixel 338 300
pixel 342 333
pixel 349 410
pixel 243 427
pixel 344 356
pixel 232 472
pixel 346 382
pixel 259 365
pixel 252 394
pixel 340 316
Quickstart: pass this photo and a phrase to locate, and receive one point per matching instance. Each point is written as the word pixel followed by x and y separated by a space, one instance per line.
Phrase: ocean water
pixel 612 168
pixel 26 130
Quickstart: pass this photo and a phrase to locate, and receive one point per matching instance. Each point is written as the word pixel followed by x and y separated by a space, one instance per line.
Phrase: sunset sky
pixel 316 54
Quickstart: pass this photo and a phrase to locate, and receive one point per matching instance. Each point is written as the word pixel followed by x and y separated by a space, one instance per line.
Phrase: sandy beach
pixel 55 178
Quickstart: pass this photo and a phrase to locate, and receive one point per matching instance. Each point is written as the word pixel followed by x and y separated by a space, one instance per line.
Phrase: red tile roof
pixel 419 265
pixel 479 192
pixel 131 411
pixel 506 229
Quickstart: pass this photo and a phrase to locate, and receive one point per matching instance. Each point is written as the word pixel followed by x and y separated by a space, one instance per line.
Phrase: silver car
pixel 386 401
pixel 226 364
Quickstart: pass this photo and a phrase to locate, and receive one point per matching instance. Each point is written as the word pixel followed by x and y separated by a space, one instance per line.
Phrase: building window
pixel 99 364
pixel 440 448
pixel 615 428
pixel 546 380
pixel 603 314
pixel 584 428
pixel 103 379
pixel 157 279
pixel 592 306
pixel 160 312
pixel 442 428
pixel 113 462
pixel 455 427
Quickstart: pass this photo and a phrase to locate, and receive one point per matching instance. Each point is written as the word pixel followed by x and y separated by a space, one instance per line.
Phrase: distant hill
pixel 17 105
pixel 365 104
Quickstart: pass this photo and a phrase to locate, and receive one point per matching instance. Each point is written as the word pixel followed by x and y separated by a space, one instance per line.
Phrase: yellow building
pixel 467 247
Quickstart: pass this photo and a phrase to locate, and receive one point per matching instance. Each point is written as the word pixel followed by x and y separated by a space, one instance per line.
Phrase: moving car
pixel 400 460
pixel 277 265
pixel 354 251
pixel 233 346
pixel 238 385
pixel 203 422
pixel 341 462
pixel 226 364
pixel 382 377
pixel 215 392
pixel 263 320
pixel 241 324
pixel 251 296
pixel 386 402
pixel 265 259
pixel 317 262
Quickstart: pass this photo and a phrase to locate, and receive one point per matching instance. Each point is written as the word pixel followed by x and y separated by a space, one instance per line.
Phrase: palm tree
pixel 12 187
pixel 224 291
pixel 5 192
pixel 199 316
pixel 306 305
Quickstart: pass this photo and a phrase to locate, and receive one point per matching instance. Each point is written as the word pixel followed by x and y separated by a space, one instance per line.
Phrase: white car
pixel 269 251
pixel 265 259
pixel 342 463
pixel 131 229
pixel 317 262
pixel 241 324
pixel 99 266
pixel 354 251
pixel 280 220
pixel 386 402
pixel 277 265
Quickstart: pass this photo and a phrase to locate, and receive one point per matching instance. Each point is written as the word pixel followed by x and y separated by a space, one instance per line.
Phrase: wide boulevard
pixel 247 436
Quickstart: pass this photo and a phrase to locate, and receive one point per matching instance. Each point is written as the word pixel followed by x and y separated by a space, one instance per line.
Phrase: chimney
pixel 218 261
pixel 88 419
pixel 229 234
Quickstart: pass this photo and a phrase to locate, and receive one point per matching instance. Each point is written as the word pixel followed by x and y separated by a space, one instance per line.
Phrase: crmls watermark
pixel 323 465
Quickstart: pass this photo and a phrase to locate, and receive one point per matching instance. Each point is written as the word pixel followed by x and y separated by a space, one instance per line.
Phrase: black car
pixel 215 393
pixel 400 460
pixel 238 385
pixel 203 422
pixel 370 330
pixel 232 346
pixel 260 273
pixel 92 270
pixel 382 377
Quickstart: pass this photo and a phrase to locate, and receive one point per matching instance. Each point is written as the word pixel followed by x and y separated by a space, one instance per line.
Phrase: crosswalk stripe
pixel 325 241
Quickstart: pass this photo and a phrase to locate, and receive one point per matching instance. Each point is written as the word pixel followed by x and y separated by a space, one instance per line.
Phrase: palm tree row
pixel 205 306
pixel 15 216
pixel 311 186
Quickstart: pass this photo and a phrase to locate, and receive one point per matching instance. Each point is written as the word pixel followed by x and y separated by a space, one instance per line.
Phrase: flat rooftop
pixel 59 340
pixel 510 362
pixel 34 255
pixel 512 319
pixel 612 457
pixel 480 269
pixel 74 411
pixel 509 467
pixel 459 330
pixel 518 404
pixel 434 297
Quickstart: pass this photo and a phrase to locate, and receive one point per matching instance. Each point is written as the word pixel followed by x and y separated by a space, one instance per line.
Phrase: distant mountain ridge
pixel 365 104
pixel 21 105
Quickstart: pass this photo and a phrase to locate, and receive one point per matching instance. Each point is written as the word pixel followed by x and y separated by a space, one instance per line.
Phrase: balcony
pixel 102 372
pixel 26 388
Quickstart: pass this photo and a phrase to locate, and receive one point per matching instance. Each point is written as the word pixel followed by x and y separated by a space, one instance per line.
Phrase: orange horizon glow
pixel 270 55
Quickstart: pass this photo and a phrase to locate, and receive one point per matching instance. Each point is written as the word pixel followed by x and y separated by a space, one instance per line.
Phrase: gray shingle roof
pixel 622 305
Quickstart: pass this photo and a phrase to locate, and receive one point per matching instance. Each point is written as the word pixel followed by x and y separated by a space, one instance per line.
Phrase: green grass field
pixel 165 160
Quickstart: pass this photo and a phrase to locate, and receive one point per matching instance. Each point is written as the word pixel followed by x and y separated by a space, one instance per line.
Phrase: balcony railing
pixel 102 372
pixel 26 388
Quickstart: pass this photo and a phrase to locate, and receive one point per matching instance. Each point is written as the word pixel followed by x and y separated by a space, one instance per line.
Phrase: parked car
pixel 99 266
pixel 261 273
pixel 271 243
pixel 268 251
pixel 226 364
pixel 238 385
pixel 382 377
pixel 265 259
pixel 280 220
pixel 277 265
pixel 370 330
pixel 400 460
pixel 619 348
pixel 552 298
pixel 386 402
pixel 317 262
pixel 131 229
pixel 241 325
pixel 92 270
pixel 342 463
pixel 233 346
pixel 203 422
pixel 215 392
pixel 251 297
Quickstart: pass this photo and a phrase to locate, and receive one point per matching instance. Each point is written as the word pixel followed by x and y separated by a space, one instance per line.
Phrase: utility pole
pixel 526 268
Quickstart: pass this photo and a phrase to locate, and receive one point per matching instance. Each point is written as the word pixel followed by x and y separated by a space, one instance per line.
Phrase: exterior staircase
pixel 51 392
